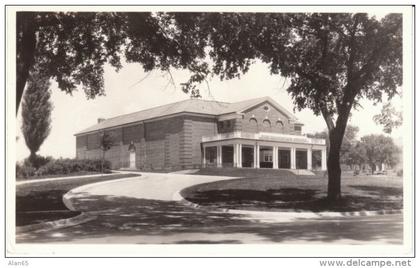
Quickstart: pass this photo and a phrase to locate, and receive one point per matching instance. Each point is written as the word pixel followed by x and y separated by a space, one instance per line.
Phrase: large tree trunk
pixel 373 168
pixel 25 51
pixel 333 166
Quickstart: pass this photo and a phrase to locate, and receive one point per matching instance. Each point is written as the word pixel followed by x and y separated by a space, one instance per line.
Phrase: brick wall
pixel 175 143
pixel 258 119
pixel 201 127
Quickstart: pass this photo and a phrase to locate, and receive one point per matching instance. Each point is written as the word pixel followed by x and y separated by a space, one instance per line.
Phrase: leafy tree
pixel 380 149
pixel 349 142
pixel 70 47
pixel 74 47
pixel 36 113
pixel 332 60
pixel 389 118
pixel 106 141
pixel 356 154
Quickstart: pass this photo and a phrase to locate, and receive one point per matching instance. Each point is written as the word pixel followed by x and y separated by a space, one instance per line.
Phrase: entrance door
pixel 284 159
pixel 133 160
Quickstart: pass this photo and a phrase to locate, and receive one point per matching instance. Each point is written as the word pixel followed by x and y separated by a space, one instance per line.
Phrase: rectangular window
pixel 93 141
pixel 132 134
pixel 298 128
pixel 81 141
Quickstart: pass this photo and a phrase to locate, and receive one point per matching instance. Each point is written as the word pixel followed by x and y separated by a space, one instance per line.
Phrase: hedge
pixel 61 166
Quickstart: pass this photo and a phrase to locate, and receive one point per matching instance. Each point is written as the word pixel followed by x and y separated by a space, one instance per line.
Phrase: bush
pixel 24 171
pixel 61 166
pixel 38 161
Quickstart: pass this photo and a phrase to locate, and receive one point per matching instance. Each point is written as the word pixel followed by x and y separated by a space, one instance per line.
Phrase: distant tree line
pixel 372 150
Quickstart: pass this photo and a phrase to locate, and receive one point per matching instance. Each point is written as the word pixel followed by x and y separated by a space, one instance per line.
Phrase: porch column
pixel 219 156
pixel 239 155
pixel 235 155
pixel 204 157
pixel 257 156
pixel 309 158
pixel 293 158
pixel 324 159
pixel 275 157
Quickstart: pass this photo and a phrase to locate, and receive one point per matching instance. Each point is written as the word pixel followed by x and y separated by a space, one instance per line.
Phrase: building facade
pixel 256 133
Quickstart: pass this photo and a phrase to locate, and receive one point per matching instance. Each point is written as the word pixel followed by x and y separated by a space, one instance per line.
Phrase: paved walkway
pixel 152 186
pixel 146 210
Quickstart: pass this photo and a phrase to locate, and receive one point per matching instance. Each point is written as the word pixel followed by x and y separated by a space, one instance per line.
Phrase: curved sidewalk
pixel 147 210
pixel 152 186
pixel 167 187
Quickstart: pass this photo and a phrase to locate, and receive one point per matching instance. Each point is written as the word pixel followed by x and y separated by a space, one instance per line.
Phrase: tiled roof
pixel 197 106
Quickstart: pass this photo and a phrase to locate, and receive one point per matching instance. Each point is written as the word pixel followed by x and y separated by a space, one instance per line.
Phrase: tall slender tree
pixel 36 112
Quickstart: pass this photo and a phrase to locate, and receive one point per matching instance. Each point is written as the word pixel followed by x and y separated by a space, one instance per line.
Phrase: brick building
pixel 256 133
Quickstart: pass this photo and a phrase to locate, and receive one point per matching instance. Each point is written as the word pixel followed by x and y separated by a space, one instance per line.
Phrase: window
pixel 268 158
pixel 279 123
pixel 253 125
pixel 298 128
pixel 266 124
pixel 266 108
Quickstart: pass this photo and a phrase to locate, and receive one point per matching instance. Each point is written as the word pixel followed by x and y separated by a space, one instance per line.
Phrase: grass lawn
pixel 278 190
pixel 42 201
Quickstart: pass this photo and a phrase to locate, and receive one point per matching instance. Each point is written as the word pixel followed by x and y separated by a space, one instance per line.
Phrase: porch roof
pixel 264 136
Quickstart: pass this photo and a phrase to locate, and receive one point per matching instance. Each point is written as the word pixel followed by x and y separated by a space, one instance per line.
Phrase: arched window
pixel 266 124
pixel 279 123
pixel 253 125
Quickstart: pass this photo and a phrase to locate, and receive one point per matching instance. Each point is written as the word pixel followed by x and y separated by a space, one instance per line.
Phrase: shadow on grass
pixel 137 220
pixel 37 207
pixel 43 201
pixel 247 199
pixel 379 191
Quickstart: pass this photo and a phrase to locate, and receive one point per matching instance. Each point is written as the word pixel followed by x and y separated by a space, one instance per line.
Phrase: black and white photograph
pixel 209 131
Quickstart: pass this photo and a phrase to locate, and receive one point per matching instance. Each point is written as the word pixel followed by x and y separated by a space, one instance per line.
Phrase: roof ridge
pixel 154 107
pixel 161 106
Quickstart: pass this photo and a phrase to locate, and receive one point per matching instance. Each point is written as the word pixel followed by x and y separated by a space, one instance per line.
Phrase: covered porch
pixel 264 150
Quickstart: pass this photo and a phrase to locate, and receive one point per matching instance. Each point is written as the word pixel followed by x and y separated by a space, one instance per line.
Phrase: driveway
pixel 146 210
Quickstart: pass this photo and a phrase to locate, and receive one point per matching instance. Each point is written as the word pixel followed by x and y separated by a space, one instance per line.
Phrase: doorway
pixel 284 158
pixel 133 160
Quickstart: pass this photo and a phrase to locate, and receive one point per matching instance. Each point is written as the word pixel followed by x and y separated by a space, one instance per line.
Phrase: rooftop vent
pixel 100 120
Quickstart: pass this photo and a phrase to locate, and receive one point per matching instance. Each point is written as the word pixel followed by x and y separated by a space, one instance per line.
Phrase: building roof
pixel 195 106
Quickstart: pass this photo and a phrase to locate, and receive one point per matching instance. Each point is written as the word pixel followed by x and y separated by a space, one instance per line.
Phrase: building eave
pixel 146 121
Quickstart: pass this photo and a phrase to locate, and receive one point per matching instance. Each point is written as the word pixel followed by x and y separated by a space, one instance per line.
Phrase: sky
pixel 131 90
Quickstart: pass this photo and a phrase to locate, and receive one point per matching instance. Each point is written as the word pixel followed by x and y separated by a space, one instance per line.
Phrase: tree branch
pixel 328 119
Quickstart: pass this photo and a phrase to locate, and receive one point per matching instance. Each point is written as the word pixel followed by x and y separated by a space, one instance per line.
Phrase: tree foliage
pixel 349 143
pixel 332 59
pixel 356 155
pixel 380 149
pixel 74 47
pixel 36 112
pixel 389 118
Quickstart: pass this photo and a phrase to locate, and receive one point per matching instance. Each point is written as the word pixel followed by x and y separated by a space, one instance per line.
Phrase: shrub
pixel 24 171
pixel 61 166
pixel 38 161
